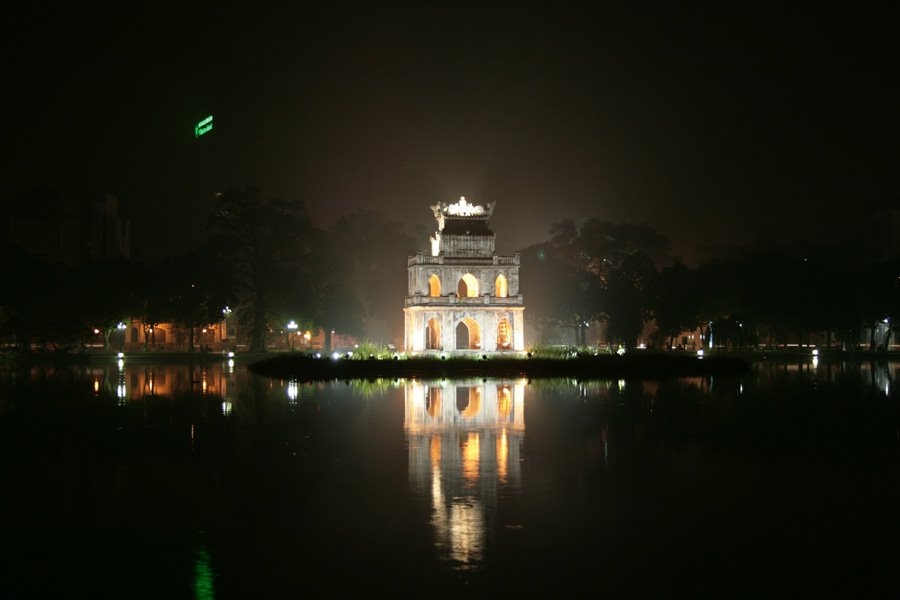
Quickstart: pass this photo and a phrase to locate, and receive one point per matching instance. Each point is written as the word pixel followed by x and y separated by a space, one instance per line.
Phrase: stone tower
pixel 463 298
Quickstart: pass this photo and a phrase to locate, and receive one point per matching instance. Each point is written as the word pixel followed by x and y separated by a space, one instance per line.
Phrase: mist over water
pixel 154 480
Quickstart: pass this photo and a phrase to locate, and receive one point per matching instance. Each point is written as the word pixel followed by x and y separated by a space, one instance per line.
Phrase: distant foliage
pixel 548 351
pixel 562 352
pixel 369 349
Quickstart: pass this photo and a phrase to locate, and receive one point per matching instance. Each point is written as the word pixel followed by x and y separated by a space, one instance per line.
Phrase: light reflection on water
pixel 204 578
pixel 464 440
pixel 638 480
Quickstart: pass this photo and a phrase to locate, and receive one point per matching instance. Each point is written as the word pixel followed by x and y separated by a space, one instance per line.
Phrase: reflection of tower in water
pixel 464 440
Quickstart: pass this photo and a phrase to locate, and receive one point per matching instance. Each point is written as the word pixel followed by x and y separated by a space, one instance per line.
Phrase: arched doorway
pixel 434 286
pixel 501 288
pixel 433 335
pixel 468 335
pixel 504 337
pixel 467 286
pixel 462 336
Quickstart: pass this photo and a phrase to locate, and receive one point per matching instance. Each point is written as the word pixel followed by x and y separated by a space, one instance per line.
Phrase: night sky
pixel 713 124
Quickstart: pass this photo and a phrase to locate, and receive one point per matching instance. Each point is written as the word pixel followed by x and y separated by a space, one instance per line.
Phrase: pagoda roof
pixel 463 210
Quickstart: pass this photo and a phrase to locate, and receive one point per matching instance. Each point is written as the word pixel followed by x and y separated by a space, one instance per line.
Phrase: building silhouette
pixel 54 228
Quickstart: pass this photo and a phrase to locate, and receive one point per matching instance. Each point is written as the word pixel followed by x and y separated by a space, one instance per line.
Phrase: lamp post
pixel 228 326
pixel 291 326
pixel 122 327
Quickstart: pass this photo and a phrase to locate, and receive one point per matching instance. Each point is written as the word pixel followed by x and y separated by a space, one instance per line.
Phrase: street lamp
pixel 121 327
pixel 292 326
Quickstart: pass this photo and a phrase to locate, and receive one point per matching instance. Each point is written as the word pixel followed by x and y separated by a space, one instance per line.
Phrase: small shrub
pixel 370 350
pixel 548 351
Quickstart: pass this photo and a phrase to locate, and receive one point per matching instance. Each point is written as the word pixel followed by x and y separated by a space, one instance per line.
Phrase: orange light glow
pixel 471 455
pixel 502 456
pixel 435 449
pixel 504 400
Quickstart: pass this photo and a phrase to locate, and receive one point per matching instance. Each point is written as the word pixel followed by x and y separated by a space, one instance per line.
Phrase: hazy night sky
pixel 710 123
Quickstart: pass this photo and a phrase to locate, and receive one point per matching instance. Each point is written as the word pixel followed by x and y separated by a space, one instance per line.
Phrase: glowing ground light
pixel 700 353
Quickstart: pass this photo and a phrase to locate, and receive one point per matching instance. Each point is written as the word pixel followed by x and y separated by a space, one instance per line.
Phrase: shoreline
pixel 589 367
pixel 638 363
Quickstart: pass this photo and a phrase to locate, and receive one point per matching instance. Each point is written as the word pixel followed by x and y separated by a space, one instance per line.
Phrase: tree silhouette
pixel 265 248
pixel 368 257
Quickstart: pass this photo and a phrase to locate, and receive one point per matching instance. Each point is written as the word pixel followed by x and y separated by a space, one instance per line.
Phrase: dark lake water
pixel 172 481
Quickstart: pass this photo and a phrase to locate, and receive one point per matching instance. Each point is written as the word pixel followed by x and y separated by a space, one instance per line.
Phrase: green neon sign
pixel 204 126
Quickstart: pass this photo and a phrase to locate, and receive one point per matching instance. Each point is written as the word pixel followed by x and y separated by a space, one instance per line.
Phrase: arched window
pixel 434 286
pixel 134 335
pixel 468 286
pixel 504 339
pixel 433 335
pixel 501 289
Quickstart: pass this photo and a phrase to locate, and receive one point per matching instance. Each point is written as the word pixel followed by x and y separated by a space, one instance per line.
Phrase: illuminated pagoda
pixel 464 298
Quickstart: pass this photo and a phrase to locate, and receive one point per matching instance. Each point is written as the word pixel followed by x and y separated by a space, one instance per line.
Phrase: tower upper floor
pixel 462 230
pixel 463 268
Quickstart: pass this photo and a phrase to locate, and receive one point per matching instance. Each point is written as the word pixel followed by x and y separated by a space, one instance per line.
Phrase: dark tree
pixel 675 302
pixel 39 306
pixel 107 295
pixel 628 297
pixel 195 290
pixel 560 294
pixel 266 249
pixel 369 259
